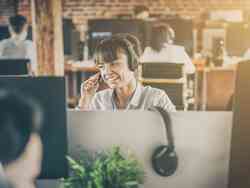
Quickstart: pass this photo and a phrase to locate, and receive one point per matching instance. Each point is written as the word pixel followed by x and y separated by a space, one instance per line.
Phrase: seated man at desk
pixel 17 46
pixel 163 50
pixel 118 61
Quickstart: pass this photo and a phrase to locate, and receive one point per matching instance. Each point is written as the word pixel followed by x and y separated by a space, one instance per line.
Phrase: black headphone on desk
pixel 164 158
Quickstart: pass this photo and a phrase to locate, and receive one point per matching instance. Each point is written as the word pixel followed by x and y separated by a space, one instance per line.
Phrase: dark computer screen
pixel 4 32
pixel 14 66
pixel 239 171
pixel 50 93
pixel 71 40
pixel 102 28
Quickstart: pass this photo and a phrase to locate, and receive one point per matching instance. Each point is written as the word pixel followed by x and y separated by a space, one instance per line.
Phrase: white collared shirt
pixel 143 98
pixel 169 54
pixel 10 49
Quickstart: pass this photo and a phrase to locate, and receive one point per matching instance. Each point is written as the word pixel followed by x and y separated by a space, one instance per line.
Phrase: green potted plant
pixel 107 169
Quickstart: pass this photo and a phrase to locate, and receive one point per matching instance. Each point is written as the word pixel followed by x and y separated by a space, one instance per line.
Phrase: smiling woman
pixel 117 61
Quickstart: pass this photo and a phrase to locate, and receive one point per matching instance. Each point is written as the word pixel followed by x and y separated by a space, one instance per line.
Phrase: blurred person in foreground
pixel 20 143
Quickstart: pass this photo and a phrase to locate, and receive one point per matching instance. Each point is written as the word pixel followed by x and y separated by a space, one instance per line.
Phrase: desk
pixel 202 142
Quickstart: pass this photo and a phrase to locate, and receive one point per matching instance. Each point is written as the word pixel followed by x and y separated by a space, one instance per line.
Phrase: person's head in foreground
pixel 18 27
pixel 20 143
pixel 117 59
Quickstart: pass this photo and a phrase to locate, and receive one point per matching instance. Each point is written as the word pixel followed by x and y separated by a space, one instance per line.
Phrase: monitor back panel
pixel 202 141
pixel 50 93
pixel 13 67
pixel 240 145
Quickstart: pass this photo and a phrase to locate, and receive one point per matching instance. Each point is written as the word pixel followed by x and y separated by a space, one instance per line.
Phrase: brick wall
pixel 82 10
pixel 7 9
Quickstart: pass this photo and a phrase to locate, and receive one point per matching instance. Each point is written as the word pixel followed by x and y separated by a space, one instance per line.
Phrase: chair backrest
pixel 169 77
pixel 166 70
pixel 218 88
pixel 175 92
pixel 14 67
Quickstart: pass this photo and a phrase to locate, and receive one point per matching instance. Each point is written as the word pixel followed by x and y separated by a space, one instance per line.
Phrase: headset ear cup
pixel 164 160
pixel 133 59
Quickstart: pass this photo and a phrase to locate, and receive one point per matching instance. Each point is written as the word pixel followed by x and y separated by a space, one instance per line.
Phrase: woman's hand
pixel 88 90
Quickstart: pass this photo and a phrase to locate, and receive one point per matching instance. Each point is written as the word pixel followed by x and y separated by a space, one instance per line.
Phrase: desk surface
pixel 80 66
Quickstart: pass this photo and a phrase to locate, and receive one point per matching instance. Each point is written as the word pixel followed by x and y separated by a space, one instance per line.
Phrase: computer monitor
pixel 71 40
pixel 50 93
pixel 240 153
pixel 14 66
pixel 104 28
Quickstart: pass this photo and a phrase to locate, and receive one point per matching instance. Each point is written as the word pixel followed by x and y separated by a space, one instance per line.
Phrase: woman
pixel 163 50
pixel 118 62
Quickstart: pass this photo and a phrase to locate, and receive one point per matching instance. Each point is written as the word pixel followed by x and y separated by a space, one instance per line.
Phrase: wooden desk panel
pixel 214 88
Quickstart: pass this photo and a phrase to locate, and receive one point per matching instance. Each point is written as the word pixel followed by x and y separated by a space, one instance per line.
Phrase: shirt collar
pixel 135 100
pixel 137 95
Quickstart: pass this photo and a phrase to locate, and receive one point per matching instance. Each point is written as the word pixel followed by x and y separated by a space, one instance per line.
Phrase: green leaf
pixel 104 169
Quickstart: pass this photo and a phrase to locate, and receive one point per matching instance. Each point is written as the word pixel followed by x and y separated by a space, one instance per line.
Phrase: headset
pixel 133 59
pixel 164 158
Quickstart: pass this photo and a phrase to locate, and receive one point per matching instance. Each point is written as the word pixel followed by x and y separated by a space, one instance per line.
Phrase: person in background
pixel 20 143
pixel 117 60
pixel 163 50
pixel 17 46
pixel 141 12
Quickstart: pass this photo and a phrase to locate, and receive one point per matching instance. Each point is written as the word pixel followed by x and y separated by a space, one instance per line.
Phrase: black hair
pixel 140 8
pixel 162 33
pixel 17 23
pixel 20 116
pixel 107 51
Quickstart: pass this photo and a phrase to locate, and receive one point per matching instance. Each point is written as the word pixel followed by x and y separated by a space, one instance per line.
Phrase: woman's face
pixel 117 73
